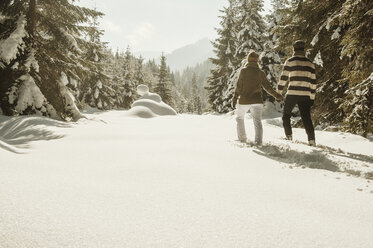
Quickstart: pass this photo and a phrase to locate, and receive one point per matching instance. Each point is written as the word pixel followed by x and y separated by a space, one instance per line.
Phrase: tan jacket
pixel 250 83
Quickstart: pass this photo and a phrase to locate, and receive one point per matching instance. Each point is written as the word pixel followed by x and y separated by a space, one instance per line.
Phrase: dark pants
pixel 304 105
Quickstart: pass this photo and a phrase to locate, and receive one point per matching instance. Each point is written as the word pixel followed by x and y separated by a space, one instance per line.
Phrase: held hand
pixel 234 102
pixel 279 98
pixel 233 105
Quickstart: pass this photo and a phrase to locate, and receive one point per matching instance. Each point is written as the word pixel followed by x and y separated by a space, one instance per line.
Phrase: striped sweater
pixel 299 77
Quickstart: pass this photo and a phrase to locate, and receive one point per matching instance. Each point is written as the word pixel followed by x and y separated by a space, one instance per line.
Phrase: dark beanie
pixel 299 45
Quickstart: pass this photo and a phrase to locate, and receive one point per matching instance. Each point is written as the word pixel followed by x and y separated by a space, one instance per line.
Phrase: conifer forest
pixel 54 62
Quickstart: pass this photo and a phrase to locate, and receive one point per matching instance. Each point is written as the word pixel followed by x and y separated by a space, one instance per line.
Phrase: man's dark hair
pixel 299 45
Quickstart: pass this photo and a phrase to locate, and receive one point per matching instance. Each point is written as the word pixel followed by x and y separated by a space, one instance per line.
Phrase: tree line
pixel 339 35
pixel 53 62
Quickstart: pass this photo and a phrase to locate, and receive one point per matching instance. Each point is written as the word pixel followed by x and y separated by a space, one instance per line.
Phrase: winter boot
pixel 289 137
pixel 312 142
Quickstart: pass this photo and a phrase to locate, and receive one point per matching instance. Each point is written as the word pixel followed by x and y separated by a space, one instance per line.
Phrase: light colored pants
pixel 256 113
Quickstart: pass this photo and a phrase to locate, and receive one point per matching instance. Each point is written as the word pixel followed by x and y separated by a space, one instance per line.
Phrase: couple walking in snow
pixel 297 82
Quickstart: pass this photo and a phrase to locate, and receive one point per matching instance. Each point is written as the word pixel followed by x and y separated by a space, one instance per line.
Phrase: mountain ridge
pixel 183 57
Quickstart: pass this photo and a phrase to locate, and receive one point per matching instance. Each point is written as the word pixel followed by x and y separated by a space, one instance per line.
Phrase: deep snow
pixel 179 181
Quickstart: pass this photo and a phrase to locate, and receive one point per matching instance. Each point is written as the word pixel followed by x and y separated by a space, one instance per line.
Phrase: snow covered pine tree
pixel 342 47
pixel 224 48
pixel 95 89
pixel 162 88
pixel 243 30
pixel 195 98
pixel 250 32
pixel 40 42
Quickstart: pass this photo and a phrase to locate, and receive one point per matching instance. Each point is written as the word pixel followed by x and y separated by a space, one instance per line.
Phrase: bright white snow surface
pixel 178 181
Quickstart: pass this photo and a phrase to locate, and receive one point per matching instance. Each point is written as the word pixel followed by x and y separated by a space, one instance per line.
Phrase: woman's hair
pixel 253 57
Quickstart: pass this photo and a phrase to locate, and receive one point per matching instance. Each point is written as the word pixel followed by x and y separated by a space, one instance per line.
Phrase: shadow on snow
pixel 315 159
pixel 18 132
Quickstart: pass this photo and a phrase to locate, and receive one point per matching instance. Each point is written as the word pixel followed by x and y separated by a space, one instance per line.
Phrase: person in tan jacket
pixel 248 93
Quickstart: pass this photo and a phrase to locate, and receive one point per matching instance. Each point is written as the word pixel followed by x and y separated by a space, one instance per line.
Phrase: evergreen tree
pixel 190 107
pixel 317 35
pixel 163 88
pixel 128 85
pixel 270 59
pixel 96 90
pixel 183 84
pixel 195 98
pixel 357 49
pixel 151 72
pixel 19 91
pixel 35 66
pixel 139 77
pixel 281 26
pixel 341 45
pixel 250 29
pixel 359 107
pixel 117 54
pixel 224 49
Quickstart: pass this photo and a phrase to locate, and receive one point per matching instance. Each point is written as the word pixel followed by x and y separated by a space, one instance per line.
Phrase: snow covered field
pixel 115 180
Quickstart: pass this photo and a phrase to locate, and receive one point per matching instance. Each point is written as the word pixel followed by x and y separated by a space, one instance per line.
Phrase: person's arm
pixel 283 79
pixel 268 88
pixel 238 90
pixel 313 86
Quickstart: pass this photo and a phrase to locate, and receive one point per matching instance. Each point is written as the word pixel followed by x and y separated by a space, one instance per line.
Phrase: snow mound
pixel 143 91
pixel 158 108
pixel 141 111
pixel 153 96
pixel 149 105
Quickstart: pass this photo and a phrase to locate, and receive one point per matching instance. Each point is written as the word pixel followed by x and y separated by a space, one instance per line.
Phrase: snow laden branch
pixel 11 46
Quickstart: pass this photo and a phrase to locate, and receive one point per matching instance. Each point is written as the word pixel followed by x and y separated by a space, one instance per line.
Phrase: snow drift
pixel 149 105
pixel 180 182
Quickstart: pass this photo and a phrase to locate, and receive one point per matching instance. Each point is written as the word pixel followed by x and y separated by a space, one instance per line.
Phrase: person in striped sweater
pixel 298 82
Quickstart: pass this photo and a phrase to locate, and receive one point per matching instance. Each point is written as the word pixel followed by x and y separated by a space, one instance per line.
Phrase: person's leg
pixel 305 113
pixel 256 113
pixel 289 105
pixel 240 119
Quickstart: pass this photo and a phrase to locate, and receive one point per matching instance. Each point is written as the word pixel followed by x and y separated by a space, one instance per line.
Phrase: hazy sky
pixel 158 25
